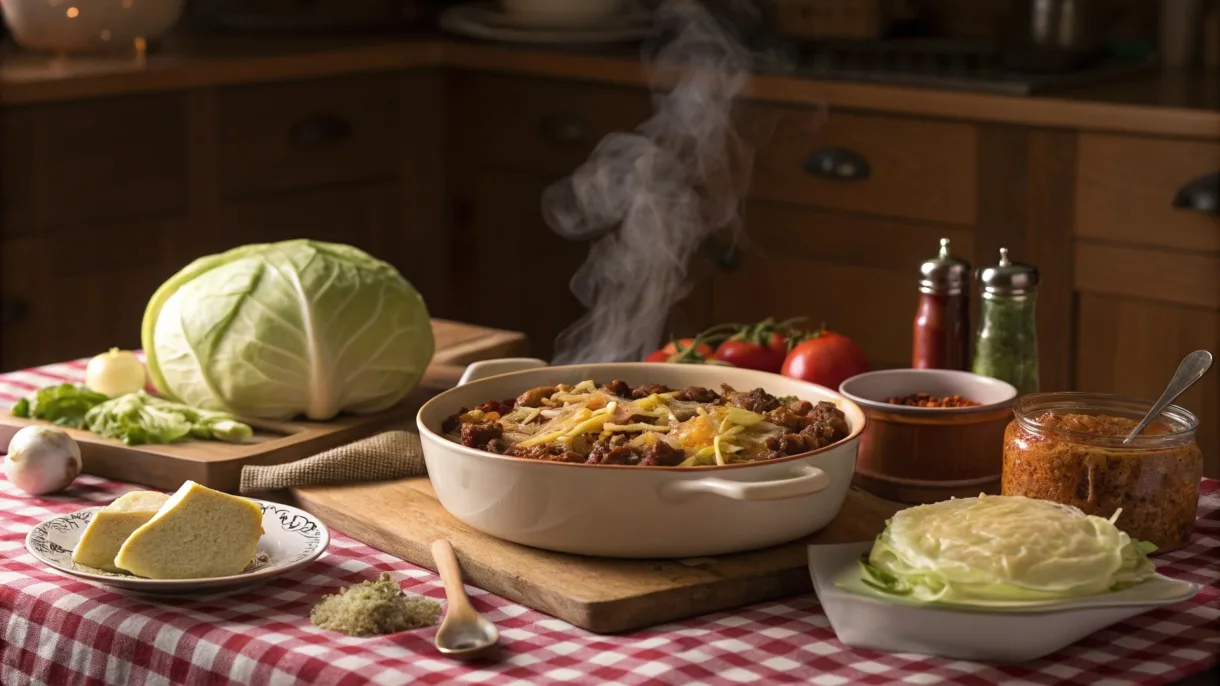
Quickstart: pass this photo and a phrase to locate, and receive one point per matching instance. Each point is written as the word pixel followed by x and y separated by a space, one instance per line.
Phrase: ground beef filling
pixel 806 426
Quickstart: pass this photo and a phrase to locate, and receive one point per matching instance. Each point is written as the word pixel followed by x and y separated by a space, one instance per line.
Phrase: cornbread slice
pixel 198 533
pixel 111 526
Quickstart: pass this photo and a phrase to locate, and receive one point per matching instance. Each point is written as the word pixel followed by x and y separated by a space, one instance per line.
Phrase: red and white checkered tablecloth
pixel 60 630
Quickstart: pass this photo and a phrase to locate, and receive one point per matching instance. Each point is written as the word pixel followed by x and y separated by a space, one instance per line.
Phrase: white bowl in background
pixel 81 26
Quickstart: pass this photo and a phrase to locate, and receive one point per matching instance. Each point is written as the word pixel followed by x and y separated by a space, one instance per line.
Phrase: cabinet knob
pixel 1200 195
pixel 318 130
pixel 12 310
pixel 840 164
pixel 565 128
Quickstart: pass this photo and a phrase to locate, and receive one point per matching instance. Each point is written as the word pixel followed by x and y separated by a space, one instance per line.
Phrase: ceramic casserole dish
pixel 634 511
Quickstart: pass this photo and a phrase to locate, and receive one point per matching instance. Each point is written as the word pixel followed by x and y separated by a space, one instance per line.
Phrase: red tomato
pixel 682 350
pixel 825 358
pixel 752 355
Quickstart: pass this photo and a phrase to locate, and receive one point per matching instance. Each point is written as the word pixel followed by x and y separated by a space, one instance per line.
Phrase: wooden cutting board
pixel 218 465
pixel 601 595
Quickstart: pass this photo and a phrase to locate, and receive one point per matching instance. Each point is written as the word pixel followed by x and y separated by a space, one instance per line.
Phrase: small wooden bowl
pixel 920 455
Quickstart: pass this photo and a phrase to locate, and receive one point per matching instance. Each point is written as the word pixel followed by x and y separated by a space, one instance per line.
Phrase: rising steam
pixel 652 196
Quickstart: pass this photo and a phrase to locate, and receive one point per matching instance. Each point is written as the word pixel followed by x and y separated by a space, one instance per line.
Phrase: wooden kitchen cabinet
pixel 511 270
pixel 68 164
pixel 304 134
pixel 71 294
pixel 1132 347
pixel 1187 278
pixel 537 124
pixel 1127 188
pixel 884 165
pixel 508 138
pixel 94 196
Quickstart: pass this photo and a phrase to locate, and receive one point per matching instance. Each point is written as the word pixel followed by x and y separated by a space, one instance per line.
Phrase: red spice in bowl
pixel 928 400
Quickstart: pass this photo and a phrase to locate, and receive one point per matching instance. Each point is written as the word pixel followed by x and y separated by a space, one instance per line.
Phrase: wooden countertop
pixel 1174 104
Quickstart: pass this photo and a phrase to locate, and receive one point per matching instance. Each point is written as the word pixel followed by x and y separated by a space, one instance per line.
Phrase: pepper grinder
pixel 942 319
pixel 1006 347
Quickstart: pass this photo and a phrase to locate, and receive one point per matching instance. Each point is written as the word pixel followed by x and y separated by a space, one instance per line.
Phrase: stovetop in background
pixel 949 64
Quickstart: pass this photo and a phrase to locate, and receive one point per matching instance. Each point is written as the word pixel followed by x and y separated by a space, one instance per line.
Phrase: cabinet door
pixel 540 125
pixel 1132 347
pixel 67 164
pixel 1127 188
pixel 368 217
pixel 511 270
pixel 858 275
pixel 73 294
pixel 883 165
pixel 305 134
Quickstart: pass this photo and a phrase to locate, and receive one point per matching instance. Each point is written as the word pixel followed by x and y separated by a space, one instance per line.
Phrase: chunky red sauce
pixel 1098 425
pixel 926 400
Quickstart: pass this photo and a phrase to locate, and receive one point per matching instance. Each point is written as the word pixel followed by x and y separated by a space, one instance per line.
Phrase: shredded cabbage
pixel 1002 548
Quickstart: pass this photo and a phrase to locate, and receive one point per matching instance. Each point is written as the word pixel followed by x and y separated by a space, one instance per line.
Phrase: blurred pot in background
pixel 1054 35
pixel 88 25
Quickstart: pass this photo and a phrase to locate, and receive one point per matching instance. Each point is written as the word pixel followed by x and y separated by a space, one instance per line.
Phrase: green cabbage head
pixel 280 330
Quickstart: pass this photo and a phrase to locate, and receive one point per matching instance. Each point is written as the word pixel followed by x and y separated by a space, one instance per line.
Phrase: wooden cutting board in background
pixel 604 596
pixel 218 465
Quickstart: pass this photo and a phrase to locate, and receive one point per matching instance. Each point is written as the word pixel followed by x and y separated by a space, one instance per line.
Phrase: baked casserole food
pixel 648 426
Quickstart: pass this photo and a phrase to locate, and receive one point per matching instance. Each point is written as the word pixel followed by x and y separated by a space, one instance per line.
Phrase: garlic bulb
pixel 42 459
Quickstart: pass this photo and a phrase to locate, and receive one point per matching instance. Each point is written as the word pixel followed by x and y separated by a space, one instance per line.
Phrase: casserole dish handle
pixel 805 480
pixel 485 368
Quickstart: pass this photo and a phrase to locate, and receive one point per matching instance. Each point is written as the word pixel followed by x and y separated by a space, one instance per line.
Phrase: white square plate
pixel 997 632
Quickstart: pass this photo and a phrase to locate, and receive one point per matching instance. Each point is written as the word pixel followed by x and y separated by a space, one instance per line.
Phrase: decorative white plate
pixel 488 22
pixel 997 632
pixel 292 538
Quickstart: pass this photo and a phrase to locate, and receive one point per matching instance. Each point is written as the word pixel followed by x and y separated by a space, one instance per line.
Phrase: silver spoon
pixel 1193 367
pixel 465 633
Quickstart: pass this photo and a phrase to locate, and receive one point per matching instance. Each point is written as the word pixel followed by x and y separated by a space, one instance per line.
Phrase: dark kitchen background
pixel 1082 136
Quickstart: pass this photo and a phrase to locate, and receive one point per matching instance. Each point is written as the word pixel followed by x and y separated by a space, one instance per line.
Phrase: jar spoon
pixel 465 633
pixel 1192 368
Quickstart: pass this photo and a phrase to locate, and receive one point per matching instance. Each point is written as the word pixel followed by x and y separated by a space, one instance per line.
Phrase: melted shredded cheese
pixel 637 426
pixel 573 415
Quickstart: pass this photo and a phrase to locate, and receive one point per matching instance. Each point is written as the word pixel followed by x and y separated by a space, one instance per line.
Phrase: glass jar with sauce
pixel 1068 448
pixel 942 320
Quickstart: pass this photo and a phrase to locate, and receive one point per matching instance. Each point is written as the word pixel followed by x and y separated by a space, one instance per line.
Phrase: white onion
pixel 115 373
pixel 42 459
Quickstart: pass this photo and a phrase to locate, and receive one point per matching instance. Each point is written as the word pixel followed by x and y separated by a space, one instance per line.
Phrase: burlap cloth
pixel 388 455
